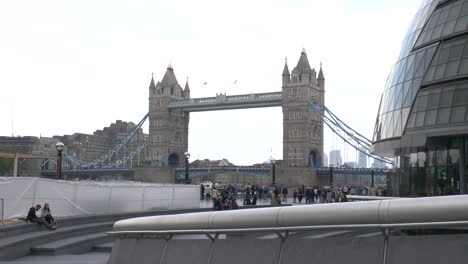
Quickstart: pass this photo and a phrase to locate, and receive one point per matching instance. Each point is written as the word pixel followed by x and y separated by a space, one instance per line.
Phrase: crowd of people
pixel 226 197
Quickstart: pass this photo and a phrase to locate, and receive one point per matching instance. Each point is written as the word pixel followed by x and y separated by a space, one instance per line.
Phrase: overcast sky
pixel 78 66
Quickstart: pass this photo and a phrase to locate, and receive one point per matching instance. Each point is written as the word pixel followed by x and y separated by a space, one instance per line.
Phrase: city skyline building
pixel 362 159
pixel 422 121
pixel 335 158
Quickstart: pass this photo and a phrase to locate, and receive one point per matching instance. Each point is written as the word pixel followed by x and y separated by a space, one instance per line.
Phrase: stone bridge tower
pixel 168 129
pixel 302 128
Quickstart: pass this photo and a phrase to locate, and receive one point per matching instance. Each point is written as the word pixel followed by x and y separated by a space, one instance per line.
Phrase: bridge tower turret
pixel 302 128
pixel 286 75
pixel 168 129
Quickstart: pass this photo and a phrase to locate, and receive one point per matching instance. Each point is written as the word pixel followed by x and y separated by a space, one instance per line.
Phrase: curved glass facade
pixel 404 79
pixel 423 114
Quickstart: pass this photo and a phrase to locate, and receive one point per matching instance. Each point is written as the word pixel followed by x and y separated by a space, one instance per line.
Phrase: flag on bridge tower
pixel 235 82
pixel 205 83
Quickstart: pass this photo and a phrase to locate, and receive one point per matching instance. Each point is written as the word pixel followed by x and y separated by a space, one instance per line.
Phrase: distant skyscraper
pixel 335 158
pixel 378 164
pixel 362 162
pixel 325 160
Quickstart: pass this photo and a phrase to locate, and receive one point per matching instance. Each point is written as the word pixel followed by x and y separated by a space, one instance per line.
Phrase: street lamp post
pixel 59 146
pixel 273 172
pixel 187 156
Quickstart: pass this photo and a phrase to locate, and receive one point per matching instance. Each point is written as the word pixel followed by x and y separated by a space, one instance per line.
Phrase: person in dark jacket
pixel 32 217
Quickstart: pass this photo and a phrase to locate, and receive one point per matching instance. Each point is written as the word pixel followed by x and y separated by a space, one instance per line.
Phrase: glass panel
pixel 456 51
pixel 461 24
pixel 463 69
pixel 439 72
pixel 421 159
pixel 443 15
pixel 411 121
pixel 461 96
pixel 448 29
pixel 464 9
pixel 437 32
pixel 430 117
pixel 443 55
pixel 430 74
pixel 454 12
pixel 422 103
pixel 458 114
pixel 446 98
pixel 431 158
pixel 451 69
pixel 453 156
pixel 404 117
pixel 419 119
pixel 433 101
pixel 441 157
pixel 443 116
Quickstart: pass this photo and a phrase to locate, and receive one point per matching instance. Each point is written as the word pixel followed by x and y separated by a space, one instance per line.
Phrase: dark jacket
pixel 31 214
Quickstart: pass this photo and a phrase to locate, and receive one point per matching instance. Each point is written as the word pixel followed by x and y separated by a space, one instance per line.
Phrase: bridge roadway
pixel 226 102
pixel 255 171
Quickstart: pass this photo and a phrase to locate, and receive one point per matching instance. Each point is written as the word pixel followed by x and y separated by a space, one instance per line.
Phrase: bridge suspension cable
pixel 345 132
pixel 105 160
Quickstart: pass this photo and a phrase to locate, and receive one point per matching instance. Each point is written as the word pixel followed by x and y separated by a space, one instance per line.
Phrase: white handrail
pixel 384 213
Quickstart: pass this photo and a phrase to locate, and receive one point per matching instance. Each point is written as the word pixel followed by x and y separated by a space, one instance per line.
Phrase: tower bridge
pixel 170 107
pixel 301 98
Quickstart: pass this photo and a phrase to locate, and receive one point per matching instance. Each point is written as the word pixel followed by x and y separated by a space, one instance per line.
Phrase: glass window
pixel 441 157
pixel 443 55
pixel 443 115
pixel 443 15
pixel 458 114
pixel 430 74
pixel 411 121
pixel 463 69
pixel 461 96
pixel 448 29
pixel 433 101
pixel 439 72
pixel 454 12
pixel 421 159
pixel 451 69
pixel 437 32
pixel 422 103
pixel 453 156
pixel 431 158
pixel 419 119
pixel 446 98
pixel 461 24
pixel 456 51
pixel 430 117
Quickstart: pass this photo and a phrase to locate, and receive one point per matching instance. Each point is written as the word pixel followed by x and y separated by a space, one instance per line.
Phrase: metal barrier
pixel 287 223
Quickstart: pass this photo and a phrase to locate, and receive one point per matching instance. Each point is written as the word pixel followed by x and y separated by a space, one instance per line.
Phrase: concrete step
pixel 71 245
pixel 106 247
pixel 20 245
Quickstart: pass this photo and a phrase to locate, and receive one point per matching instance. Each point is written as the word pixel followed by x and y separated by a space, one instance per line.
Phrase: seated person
pixel 46 213
pixel 32 217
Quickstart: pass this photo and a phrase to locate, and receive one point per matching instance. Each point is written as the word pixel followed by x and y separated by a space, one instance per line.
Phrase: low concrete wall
pixel 158 175
pixel 293 177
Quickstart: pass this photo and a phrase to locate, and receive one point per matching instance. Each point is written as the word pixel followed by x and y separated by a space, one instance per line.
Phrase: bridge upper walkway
pixel 225 102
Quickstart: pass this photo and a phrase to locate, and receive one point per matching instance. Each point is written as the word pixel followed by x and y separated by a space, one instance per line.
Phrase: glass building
pixel 423 114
